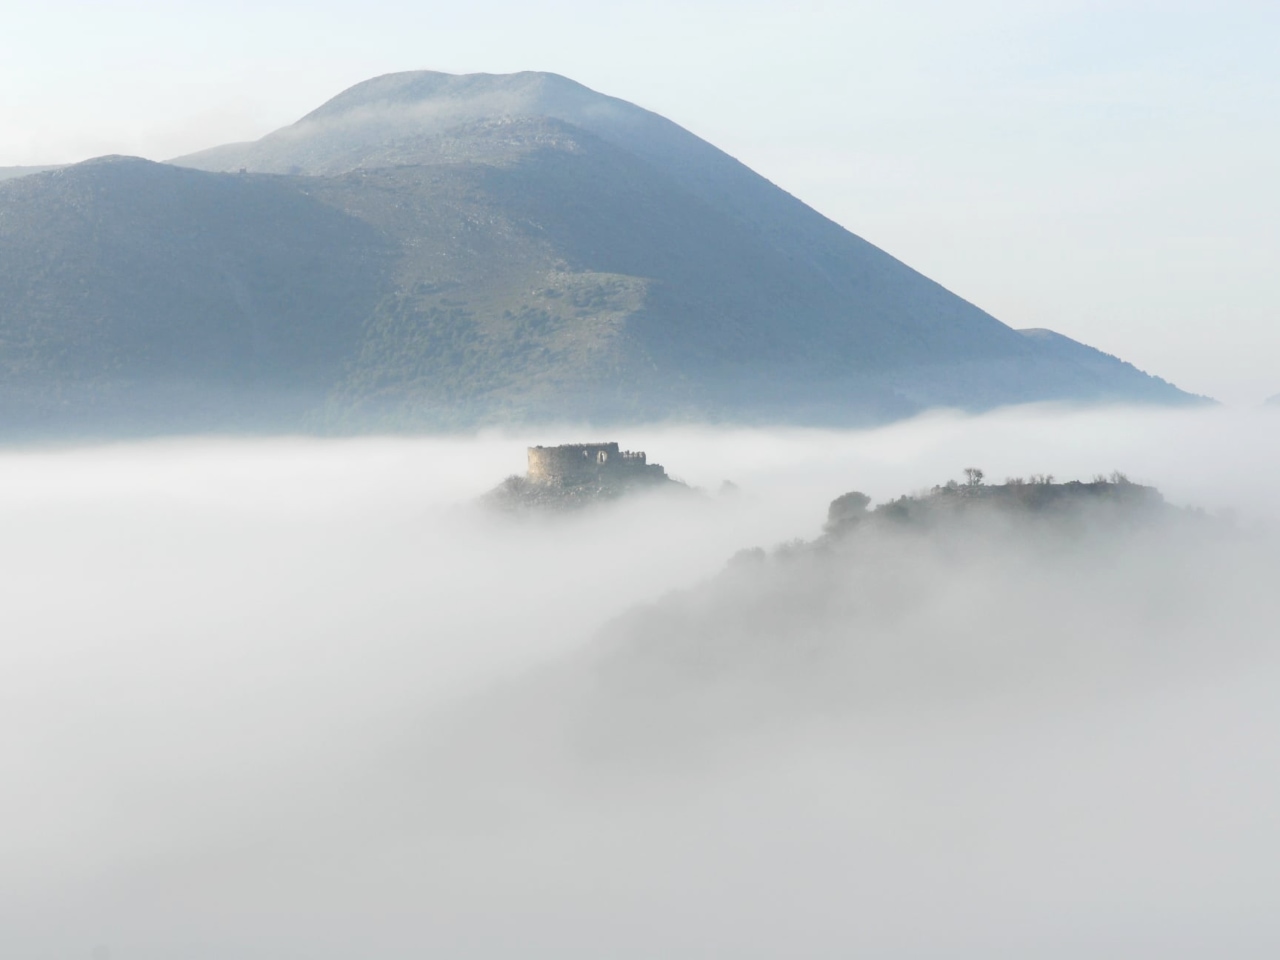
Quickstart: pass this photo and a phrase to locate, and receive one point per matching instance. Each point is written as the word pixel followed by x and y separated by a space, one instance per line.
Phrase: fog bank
pixel 299 697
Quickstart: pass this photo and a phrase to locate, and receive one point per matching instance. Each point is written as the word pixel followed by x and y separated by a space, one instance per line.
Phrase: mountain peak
pixel 443 250
pixel 511 93
pixel 399 118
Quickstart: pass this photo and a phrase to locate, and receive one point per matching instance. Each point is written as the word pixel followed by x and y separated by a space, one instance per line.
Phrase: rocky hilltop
pixel 435 251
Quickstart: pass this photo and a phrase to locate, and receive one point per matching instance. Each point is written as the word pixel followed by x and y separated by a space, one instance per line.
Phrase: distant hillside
pixel 963 591
pixel 12 173
pixel 432 251
pixel 139 296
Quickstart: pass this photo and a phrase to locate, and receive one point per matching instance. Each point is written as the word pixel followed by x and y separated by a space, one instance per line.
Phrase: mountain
pixel 12 173
pixel 428 250
pixel 137 296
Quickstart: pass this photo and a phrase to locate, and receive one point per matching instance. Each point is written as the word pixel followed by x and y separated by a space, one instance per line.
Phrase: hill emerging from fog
pixel 428 250
pixel 966 593
pixel 965 590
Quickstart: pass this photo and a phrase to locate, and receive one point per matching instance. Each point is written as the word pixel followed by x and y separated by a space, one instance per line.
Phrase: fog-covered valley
pixel 264 698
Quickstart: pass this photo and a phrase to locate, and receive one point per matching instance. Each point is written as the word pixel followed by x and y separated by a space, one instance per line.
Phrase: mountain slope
pixel 427 250
pixel 139 295
pixel 900 336
pixel 12 173
pixel 414 118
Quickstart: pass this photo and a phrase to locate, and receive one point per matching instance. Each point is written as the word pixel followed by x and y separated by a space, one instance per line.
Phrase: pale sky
pixel 1107 169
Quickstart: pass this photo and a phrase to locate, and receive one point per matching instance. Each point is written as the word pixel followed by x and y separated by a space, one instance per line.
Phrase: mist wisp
pixel 299 697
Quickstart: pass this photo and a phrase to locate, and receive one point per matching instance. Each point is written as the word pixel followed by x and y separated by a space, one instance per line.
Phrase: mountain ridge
pixel 515 248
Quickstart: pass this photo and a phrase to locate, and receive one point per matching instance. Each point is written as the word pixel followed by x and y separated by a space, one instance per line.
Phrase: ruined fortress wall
pixel 569 461
pixel 578 462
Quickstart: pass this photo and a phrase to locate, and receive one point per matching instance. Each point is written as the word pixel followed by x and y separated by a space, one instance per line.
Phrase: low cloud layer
pixel 265 698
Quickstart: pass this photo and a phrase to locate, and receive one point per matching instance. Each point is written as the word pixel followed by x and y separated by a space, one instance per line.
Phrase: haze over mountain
pixel 428 250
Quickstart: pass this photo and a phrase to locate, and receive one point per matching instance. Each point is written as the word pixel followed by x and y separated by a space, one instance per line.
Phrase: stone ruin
pixel 577 474
pixel 585 463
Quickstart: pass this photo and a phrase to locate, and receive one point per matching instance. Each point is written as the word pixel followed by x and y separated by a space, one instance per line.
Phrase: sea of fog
pixel 297 697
